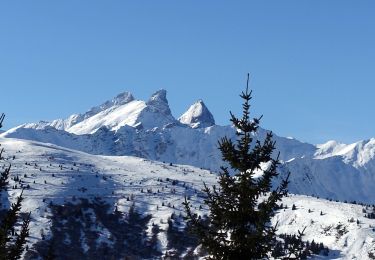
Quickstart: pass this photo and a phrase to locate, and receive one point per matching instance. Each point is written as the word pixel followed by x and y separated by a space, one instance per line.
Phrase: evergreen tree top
pixel 241 206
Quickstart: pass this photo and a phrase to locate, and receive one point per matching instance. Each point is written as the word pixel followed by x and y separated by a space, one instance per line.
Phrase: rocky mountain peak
pixel 197 116
pixel 158 102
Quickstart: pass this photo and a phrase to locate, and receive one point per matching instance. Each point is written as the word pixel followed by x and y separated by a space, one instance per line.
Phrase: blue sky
pixel 312 62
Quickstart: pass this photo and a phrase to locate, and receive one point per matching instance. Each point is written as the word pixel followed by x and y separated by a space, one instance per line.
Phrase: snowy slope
pixel 64 124
pixel 360 154
pixel 57 175
pixel 147 129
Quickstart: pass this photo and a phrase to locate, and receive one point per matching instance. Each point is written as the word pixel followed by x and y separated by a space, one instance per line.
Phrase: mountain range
pixel 147 129
pixel 109 183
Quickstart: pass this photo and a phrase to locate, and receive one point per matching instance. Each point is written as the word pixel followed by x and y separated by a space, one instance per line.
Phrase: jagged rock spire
pixel 159 103
pixel 197 116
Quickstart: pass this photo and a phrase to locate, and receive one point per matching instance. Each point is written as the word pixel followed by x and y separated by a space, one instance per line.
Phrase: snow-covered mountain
pixel 125 126
pixel 112 207
pixel 114 114
pixel 147 129
pixel 198 115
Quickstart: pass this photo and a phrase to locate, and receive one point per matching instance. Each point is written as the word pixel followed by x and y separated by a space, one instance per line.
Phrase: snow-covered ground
pixel 58 175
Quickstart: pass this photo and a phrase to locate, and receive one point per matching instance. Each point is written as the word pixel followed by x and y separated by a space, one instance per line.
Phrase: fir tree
pixel 238 225
pixel 12 243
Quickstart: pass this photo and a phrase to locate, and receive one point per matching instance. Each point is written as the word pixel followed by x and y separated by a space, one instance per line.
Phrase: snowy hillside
pixel 82 188
pixel 147 129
